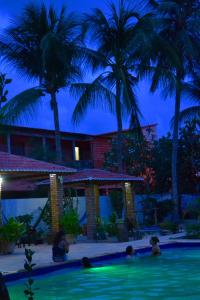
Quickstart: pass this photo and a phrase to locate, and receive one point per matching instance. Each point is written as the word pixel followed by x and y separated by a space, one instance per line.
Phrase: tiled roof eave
pixel 104 179
pixel 37 171
pixel 91 179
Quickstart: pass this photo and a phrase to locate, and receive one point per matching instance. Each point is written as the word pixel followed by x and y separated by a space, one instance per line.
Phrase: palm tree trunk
pixel 119 128
pixel 175 195
pixel 57 128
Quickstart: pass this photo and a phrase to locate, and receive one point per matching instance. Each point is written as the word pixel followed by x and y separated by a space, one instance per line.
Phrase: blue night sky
pixel 152 106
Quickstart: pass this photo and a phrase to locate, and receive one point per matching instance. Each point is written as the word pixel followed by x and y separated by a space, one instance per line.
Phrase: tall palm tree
pixel 172 52
pixel 112 58
pixel 43 45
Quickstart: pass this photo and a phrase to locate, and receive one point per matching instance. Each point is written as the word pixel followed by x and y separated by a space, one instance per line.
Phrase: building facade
pixel 78 150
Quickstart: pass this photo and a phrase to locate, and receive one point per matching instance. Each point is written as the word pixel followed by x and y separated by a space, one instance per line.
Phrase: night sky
pixel 153 107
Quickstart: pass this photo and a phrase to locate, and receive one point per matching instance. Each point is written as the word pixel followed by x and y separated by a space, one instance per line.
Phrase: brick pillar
pixel 92 209
pixel 56 194
pixel 129 202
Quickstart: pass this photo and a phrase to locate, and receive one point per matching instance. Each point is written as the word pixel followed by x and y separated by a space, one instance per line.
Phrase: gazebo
pixel 20 167
pixel 91 180
pixel 14 166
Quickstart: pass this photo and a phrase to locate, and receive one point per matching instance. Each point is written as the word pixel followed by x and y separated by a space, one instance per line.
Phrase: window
pixel 77 153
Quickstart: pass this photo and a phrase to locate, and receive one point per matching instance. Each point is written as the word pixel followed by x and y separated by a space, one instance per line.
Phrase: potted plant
pixel 9 234
pixel 70 224
pixel 122 231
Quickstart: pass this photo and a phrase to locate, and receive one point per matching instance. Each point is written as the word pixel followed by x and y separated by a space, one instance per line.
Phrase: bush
pixel 111 229
pixel 164 209
pixel 70 222
pixel 173 227
pixel 193 230
pixel 12 231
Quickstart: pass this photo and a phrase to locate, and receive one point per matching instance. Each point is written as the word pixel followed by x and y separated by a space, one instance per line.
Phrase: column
pixel 9 143
pixel 44 148
pixel 129 202
pixel 56 194
pixel 92 209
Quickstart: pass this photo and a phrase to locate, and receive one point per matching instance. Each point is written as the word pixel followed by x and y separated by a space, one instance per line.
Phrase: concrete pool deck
pixel 43 257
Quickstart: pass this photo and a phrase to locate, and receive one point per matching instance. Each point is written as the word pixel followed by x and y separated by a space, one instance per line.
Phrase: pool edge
pixel 77 263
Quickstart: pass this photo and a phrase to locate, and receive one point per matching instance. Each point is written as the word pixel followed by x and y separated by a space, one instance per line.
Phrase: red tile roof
pixel 10 163
pixel 42 131
pixel 89 175
pixel 111 133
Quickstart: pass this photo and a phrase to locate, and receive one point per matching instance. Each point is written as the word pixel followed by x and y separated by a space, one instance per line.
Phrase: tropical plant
pixel 116 198
pixel 42 45
pixel 189 157
pixel 193 230
pixel 70 222
pixel 171 226
pixel 100 229
pixel 137 158
pixel 111 227
pixel 113 34
pixel 29 292
pixel 12 231
pixel 25 219
pixel 172 50
pixel 161 163
pixel 4 81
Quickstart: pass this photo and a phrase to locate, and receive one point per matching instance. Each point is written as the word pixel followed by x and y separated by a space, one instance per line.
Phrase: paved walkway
pixel 42 256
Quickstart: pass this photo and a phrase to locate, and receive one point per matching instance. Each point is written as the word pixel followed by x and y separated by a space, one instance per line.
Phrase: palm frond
pixel 191 90
pixel 190 113
pixel 93 94
pixel 21 107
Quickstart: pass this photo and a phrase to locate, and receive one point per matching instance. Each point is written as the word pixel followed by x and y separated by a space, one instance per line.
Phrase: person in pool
pixel 86 263
pixel 155 247
pixel 129 252
pixel 60 247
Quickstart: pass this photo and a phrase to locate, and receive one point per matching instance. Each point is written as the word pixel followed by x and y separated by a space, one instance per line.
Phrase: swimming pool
pixel 173 275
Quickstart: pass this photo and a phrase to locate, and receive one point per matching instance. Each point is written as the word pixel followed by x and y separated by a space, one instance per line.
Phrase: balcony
pixel 80 164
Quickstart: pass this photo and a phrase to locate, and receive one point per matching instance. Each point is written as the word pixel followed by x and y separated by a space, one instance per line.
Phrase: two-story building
pixel 79 150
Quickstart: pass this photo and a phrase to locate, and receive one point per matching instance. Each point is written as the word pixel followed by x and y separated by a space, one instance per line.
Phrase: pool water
pixel 173 275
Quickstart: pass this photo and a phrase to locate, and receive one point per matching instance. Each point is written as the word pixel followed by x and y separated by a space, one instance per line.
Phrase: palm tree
pixel 112 58
pixel 172 52
pixel 42 45
pixel 192 91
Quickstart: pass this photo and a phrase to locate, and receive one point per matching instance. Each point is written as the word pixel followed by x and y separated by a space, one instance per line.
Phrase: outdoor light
pixel 127 184
pixel 52 175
